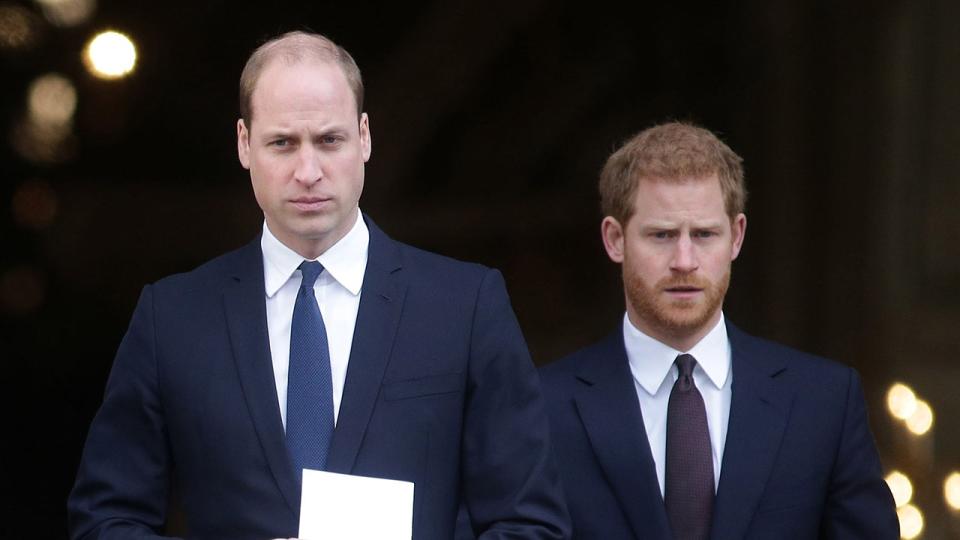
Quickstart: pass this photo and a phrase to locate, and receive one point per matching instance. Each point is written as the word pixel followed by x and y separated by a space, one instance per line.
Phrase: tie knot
pixel 311 270
pixel 685 364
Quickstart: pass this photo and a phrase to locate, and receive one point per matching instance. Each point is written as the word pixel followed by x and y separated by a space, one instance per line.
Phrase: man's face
pixel 305 151
pixel 676 252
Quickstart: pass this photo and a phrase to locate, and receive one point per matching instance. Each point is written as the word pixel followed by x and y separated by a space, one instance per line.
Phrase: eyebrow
pixel 665 225
pixel 272 133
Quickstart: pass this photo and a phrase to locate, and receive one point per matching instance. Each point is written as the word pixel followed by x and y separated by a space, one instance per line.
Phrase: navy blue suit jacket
pixel 440 391
pixel 799 459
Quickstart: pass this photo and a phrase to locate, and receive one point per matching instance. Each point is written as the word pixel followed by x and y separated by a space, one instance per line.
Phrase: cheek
pixel 258 192
pixel 353 176
pixel 359 184
pixel 638 264
pixel 265 186
pixel 720 264
pixel 645 255
pixel 270 164
pixel 271 168
pixel 357 166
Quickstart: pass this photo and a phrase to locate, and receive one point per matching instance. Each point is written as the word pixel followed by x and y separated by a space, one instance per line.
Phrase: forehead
pixel 692 197
pixel 302 85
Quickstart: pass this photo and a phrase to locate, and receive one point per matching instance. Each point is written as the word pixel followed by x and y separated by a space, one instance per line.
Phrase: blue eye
pixel 330 139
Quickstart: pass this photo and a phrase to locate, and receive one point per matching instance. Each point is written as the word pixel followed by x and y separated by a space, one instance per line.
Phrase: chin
pixel 316 228
pixel 685 320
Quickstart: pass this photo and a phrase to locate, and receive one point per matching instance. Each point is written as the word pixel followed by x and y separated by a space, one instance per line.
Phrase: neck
pixel 311 247
pixel 679 337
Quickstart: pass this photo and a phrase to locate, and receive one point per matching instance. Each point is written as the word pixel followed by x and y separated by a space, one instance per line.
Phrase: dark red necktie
pixel 689 472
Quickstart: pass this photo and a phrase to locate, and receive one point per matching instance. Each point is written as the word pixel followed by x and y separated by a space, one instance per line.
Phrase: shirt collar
pixel 650 360
pixel 345 262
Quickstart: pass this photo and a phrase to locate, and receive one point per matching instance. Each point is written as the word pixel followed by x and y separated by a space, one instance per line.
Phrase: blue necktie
pixel 309 387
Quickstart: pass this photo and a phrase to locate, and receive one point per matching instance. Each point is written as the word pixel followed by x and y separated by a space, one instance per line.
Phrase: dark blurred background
pixel 490 122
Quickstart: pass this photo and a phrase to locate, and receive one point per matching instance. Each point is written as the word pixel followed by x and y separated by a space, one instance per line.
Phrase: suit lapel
pixel 245 312
pixel 377 320
pixel 759 408
pixel 607 403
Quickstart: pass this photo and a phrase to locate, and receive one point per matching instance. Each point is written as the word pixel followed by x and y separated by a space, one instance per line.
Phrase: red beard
pixel 675 317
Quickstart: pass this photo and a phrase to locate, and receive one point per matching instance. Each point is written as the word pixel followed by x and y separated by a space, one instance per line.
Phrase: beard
pixel 675 317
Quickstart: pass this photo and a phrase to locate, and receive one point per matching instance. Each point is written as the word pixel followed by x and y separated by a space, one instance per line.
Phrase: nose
pixel 684 255
pixel 309 167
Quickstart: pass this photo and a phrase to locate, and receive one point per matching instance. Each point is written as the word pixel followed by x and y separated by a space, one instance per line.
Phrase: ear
pixel 366 143
pixel 738 229
pixel 613 237
pixel 243 144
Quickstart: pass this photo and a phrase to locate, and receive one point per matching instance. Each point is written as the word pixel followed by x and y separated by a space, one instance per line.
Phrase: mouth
pixel 311 203
pixel 683 291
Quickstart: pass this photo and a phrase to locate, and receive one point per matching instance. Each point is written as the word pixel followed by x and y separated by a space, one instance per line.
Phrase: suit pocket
pixel 422 386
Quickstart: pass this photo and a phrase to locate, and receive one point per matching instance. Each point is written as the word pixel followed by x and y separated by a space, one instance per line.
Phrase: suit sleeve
pixel 859 504
pixel 122 484
pixel 510 483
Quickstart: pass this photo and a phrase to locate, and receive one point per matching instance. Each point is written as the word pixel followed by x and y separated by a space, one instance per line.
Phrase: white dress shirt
pixel 654 372
pixel 338 295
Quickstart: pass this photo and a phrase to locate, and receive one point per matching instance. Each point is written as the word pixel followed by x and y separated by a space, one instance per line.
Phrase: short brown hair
pixel 294 47
pixel 671 151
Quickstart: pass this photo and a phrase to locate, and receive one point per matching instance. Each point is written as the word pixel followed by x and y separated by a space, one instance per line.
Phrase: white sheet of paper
pixel 346 507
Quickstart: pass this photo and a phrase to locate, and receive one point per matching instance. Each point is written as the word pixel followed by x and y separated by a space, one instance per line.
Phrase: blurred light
pixel 951 490
pixel 43 143
pixel 35 205
pixel 901 487
pixel 911 521
pixel 52 100
pixel 17 27
pixel 110 55
pixel 21 290
pixel 921 420
pixel 67 12
pixel 901 401
pixel 45 134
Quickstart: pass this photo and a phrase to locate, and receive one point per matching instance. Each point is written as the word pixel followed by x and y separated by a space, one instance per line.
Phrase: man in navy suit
pixel 424 371
pixel 679 425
